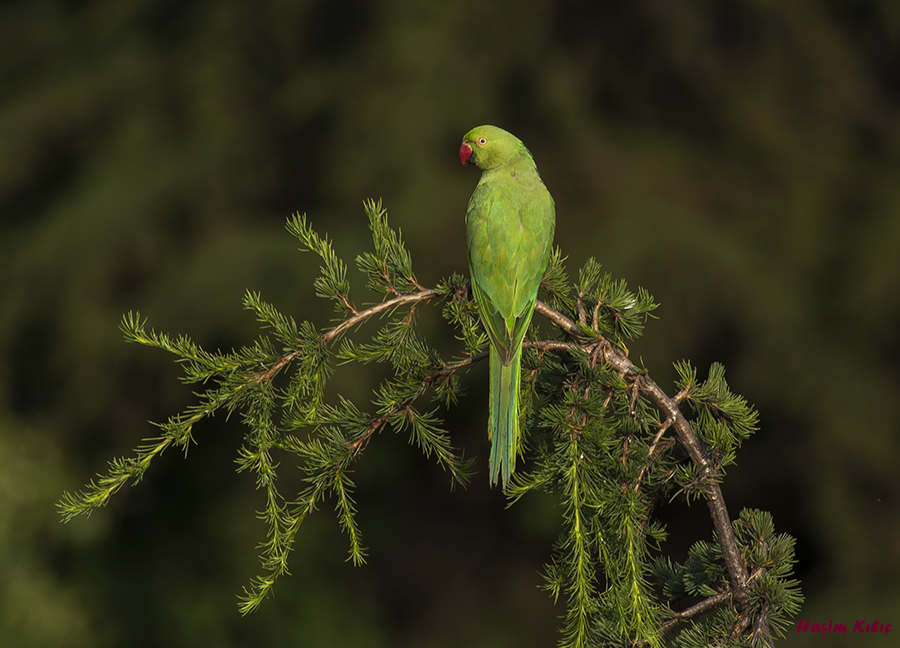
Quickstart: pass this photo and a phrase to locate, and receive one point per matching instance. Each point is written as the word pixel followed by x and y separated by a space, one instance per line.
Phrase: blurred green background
pixel 739 160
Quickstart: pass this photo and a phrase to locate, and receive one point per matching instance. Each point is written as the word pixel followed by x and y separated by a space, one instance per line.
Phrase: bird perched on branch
pixel 509 232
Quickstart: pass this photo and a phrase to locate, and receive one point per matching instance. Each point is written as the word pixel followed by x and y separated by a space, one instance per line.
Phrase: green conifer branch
pixel 603 437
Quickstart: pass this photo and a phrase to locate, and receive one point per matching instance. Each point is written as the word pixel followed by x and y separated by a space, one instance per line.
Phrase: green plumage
pixel 509 231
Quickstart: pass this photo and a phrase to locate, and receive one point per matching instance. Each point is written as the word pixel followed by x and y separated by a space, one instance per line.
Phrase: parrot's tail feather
pixel 504 422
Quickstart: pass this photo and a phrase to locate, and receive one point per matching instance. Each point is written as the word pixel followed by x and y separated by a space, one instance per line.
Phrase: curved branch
pixel 737 571
pixel 361 316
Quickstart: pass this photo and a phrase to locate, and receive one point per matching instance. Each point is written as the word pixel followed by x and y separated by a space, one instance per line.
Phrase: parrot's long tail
pixel 504 423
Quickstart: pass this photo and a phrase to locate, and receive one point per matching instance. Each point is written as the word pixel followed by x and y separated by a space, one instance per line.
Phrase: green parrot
pixel 509 232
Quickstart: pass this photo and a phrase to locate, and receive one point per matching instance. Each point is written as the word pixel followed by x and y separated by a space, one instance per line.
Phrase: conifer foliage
pixel 601 436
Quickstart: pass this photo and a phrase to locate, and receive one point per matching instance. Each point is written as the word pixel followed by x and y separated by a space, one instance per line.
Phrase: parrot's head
pixel 487 147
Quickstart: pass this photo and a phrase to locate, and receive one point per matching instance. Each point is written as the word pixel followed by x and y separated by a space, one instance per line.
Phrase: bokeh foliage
pixel 739 160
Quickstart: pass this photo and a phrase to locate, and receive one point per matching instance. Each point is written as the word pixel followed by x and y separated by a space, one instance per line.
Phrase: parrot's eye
pixel 482 141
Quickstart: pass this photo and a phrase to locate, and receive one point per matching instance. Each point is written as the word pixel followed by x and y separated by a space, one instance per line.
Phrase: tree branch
pixel 737 571
pixel 361 316
pixel 616 359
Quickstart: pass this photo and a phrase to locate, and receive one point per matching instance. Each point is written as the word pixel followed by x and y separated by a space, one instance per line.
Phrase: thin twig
pixel 706 604
pixel 380 307
pixel 651 451
pixel 332 334
pixel 454 366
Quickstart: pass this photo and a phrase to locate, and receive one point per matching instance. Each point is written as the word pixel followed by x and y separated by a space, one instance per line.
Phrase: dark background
pixel 739 160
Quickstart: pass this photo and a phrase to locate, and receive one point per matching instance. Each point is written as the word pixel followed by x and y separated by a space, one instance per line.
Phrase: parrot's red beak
pixel 465 152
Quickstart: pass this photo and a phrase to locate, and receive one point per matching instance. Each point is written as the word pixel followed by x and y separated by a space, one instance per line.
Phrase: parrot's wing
pixel 506 334
pixel 509 232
